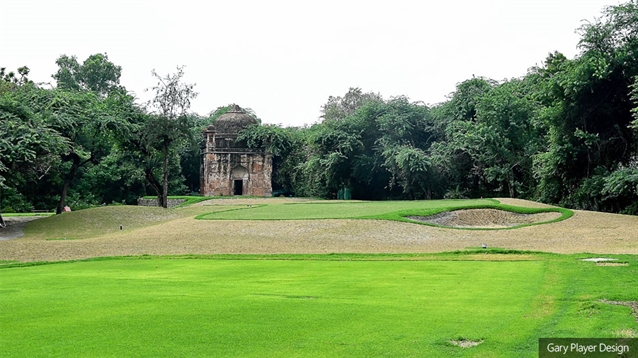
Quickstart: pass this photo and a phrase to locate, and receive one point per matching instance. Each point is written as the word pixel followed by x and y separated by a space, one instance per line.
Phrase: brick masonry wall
pixel 154 202
pixel 219 173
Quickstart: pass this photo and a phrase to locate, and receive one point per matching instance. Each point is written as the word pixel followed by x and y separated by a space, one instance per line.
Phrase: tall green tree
pixel 96 74
pixel 499 140
pixel 588 111
pixel 169 122
pixel 378 151
pixel 91 109
pixel 450 153
pixel 27 141
pixel 341 107
pixel 406 133
pixel 10 81
pixel 286 146
pixel 91 125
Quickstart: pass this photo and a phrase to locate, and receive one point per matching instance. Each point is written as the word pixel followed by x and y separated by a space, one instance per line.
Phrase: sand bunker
pixel 484 218
pixel 15 226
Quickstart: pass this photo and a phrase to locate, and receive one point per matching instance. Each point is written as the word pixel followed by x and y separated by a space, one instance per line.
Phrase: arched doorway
pixel 238 187
pixel 239 176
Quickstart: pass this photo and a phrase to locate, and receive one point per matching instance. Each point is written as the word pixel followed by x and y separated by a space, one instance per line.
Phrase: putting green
pixel 386 210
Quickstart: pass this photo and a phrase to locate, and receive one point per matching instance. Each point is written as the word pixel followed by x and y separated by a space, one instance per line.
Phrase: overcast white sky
pixel 284 58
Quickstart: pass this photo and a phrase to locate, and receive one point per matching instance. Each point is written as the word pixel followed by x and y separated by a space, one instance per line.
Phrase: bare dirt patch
pixel 466 343
pixel 626 333
pixel 631 304
pixel 484 218
pixel 612 264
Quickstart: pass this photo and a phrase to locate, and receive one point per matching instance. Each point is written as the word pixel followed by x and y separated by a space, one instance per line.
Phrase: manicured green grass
pixel 384 210
pixel 340 209
pixel 26 214
pixel 310 305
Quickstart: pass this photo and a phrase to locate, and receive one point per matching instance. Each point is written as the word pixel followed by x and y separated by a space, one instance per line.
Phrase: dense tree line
pixel 564 133
pixel 85 141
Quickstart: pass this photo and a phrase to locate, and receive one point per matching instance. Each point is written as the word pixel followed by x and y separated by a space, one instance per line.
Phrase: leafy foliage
pixel 169 123
pixel 341 107
pixel 97 74
pixel 565 133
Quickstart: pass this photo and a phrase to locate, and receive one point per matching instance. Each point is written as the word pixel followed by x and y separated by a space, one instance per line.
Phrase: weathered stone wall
pixel 228 164
pixel 155 202
pixel 221 169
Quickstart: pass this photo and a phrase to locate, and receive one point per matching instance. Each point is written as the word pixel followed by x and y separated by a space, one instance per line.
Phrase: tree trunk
pixel 69 177
pixel 155 185
pixel 512 187
pixel 165 179
pixel 148 171
pixel 67 180
pixel 65 190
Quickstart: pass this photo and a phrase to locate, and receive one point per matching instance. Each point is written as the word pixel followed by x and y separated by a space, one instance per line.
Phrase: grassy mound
pixel 104 220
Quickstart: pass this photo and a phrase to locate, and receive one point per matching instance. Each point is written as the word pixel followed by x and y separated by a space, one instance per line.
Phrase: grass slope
pixel 321 305
pixel 99 221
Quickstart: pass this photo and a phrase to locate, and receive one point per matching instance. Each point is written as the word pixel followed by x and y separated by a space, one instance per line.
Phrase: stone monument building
pixel 228 166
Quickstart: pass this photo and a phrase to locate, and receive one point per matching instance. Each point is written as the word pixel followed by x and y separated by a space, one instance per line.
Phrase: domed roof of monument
pixel 233 121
